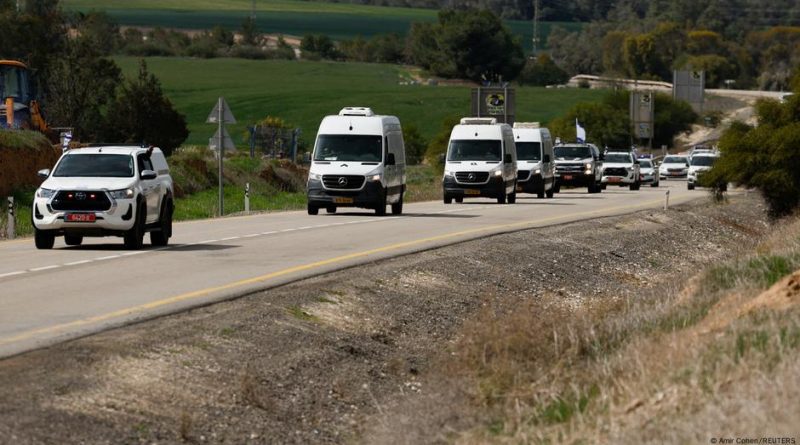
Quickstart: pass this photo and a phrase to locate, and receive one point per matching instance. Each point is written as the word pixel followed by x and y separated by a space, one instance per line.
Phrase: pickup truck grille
pixel 615 171
pixel 523 175
pixel 343 182
pixel 570 167
pixel 472 177
pixel 81 201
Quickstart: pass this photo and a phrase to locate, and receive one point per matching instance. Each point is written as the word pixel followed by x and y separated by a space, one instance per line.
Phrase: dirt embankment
pixel 22 155
pixel 374 354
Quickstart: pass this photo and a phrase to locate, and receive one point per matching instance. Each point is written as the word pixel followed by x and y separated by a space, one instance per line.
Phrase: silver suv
pixel 105 191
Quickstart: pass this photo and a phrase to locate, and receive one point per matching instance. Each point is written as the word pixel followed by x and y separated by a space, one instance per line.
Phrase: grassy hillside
pixel 340 21
pixel 303 92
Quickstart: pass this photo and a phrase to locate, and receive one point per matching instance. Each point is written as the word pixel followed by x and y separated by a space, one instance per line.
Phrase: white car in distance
pixel 674 166
pixel 700 163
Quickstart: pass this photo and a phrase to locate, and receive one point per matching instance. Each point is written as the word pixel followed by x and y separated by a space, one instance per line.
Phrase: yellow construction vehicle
pixel 19 108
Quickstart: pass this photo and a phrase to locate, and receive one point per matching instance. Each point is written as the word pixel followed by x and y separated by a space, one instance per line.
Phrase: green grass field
pixel 290 17
pixel 303 92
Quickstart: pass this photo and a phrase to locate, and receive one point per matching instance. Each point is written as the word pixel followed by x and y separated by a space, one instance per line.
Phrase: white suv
pixel 700 163
pixel 105 191
pixel 621 168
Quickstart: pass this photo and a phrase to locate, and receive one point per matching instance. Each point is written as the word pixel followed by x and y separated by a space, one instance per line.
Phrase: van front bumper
pixel 492 189
pixel 369 197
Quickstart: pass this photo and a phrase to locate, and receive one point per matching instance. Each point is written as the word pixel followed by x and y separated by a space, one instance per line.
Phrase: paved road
pixel 51 296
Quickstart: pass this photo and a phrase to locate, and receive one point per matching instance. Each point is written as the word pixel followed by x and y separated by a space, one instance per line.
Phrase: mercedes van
pixel 535 168
pixel 481 161
pixel 359 160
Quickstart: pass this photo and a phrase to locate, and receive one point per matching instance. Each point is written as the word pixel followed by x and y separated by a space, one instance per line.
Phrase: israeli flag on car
pixel 580 132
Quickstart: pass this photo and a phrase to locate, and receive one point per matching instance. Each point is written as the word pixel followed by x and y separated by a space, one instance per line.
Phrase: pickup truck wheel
pixel 689 186
pixel 313 210
pixel 73 240
pixel 43 239
pixel 448 199
pixel 161 237
pixel 551 192
pixel 397 208
pixel 134 238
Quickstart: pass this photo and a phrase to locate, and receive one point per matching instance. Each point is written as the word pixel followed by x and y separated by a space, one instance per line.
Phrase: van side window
pixel 396 145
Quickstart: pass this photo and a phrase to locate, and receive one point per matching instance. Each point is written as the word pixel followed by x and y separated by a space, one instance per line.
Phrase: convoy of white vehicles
pixel 358 161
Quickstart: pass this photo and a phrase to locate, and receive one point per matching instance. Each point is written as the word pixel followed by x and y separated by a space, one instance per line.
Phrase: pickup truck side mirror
pixel 148 175
pixel 390 160
pixel 44 173
pixel 507 159
pixel 546 159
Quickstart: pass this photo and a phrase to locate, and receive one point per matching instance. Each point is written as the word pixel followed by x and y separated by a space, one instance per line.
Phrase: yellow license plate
pixel 472 192
pixel 340 200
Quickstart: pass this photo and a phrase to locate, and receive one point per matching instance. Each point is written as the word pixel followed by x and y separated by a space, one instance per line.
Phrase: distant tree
pixel 471 44
pixel 415 144
pixel 221 36
pixel 319 45
pixel 249 30
pixel 542 72
pixel 98 30
pixel 142 114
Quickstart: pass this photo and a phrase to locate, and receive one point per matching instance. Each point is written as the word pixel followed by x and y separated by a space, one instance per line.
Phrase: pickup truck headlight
pixel 588 166
pixel 122 194
pixel 314 176
pixel 45 193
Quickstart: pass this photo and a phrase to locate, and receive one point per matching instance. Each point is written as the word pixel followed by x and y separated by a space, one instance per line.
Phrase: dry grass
pixel 681 365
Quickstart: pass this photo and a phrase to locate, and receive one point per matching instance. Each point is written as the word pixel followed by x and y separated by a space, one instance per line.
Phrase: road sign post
pixel 11 230
pixel 221 115
pixel 247 198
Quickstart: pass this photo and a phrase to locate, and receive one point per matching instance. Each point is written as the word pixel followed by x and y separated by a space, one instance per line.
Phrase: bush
pixel 415 144
pixel 438 145
pixel 542 72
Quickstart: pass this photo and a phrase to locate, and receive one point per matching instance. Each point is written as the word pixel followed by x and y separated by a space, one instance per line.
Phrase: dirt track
pixel 352 356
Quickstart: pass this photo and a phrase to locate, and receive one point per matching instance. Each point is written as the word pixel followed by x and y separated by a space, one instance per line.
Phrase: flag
pixel 580 132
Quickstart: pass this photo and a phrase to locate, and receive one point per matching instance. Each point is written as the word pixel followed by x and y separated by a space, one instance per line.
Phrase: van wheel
pixel 134 238
pixel 73 240
pixel 44 239
pixel 397 208
pixel 689 186
pixel 502 198
pixel 448 199
pixel 330 209
pixel 540 194
pixel 512 198
pixel 161 237
pixel 380 209
pixel 551 192
pixel 313 210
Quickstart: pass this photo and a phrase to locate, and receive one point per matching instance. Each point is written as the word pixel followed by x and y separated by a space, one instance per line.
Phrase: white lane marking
pixel 230 238
pixel 39 269
pixel 75 263
pixel 11 274
pixel 252 235
pixel 137 252
pixel 268 233
pixel 208 241
pixel 111 257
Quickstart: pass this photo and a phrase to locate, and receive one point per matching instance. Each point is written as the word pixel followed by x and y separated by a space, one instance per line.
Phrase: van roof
pixel 358 124
pixel 478 131
pixel 529 133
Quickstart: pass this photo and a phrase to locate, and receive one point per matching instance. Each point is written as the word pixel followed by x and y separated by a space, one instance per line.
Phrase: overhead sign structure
pixel 496 102
pixel 221 115
pixel 689 86
pixel 642 109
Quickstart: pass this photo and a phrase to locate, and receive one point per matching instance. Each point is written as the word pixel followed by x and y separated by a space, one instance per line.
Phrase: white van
pixel 535 168
pixel 359 161
pixel 481 161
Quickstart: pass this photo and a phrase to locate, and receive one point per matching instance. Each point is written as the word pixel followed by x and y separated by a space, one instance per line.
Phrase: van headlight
pixel 314 176
pixel 538 171
pixel 498 172
pixel 122 194
pixel 45 193
pixel 375 178
pixel 448 174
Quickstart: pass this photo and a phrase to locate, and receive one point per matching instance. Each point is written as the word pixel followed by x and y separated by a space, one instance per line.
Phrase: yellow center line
pixel 310 266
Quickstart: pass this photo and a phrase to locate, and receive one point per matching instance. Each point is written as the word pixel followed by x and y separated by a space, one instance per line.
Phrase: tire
pixel 540 194
pixel 593 188
pixel 512 198
pixel 330 209
pixel 689 186
pixel 73 240
pixel 397 208
pixel 134 238
pixel 654 184
pixel 502 198
pixel 551 192
pixel 556 188
pixel 161 237
pixel 43 239
pixel 602 186
pixel 313 210
pixel 447 199
pixel 459 200
pixel 380 209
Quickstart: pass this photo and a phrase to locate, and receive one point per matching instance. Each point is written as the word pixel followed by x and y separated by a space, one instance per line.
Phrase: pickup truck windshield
pixel 703 161
pixel 349 148
pixel 675 160
pixel 619 158
pixel 529 151
pixel 95 165
pixel 572 152
pixel 474 150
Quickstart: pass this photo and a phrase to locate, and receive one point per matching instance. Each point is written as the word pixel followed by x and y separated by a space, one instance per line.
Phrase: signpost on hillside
pixel 221 115
pixel 689 85
pixel 642 109
pixel 496 102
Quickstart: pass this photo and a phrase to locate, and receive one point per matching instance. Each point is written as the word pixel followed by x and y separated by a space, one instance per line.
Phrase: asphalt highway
pixel 48 296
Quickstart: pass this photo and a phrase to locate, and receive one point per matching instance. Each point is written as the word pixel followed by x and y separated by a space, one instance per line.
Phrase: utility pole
pixel 253 11
pixel 535 27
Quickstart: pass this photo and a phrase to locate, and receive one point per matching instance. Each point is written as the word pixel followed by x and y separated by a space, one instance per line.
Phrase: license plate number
pixel 340 200
pixel 472 192
pixel 614 179
pixel 80 217
pixel 567 177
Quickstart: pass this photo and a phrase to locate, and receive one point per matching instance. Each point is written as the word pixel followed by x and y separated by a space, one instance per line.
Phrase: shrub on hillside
pixel 542 72
pixel 438 145
pixel 415 144
pixel 765 157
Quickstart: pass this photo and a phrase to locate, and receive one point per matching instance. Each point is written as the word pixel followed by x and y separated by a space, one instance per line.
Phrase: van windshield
pixel 346 147
pixel 529 151
pixel 95 166
pixel 474 150
pixel 572 152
